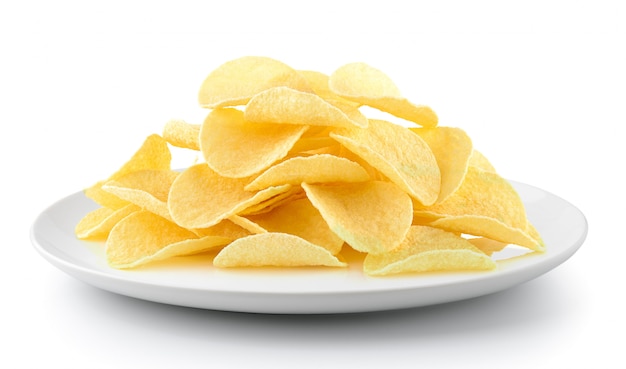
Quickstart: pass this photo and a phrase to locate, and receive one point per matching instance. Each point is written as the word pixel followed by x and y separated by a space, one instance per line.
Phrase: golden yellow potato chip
pixel 397 153
pixel 487 245
pixel 235 82
pixel 478 160
pixel 236 148
pixel 483 194
pixel 179 133
pixel 147 189
pixel 300 218
pixel 369 86
pixel 452 148
pixel 201 198
pixel 97 224
pixel 153 154
pixel 274 249
pixel 225 228
pixel 247 224
pixel 280 198
pixel 286 105
pixel 482 226
pixel 427 249
pixel 319 84
pixel 144 237
pixel 322 168
pixel 371 216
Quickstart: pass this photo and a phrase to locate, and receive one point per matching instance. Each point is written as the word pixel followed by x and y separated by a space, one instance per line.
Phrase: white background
pixel 539 85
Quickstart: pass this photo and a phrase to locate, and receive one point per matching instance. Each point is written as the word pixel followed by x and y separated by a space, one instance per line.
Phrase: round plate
pixel 193 282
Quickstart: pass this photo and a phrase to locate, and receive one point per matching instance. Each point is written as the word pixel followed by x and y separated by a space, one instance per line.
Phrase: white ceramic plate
pixel 193 282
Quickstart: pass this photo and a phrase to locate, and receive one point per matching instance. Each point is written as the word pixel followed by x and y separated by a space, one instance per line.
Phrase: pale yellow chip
pixel 236 148
pixel 179 133
pixel 452 148
pixel 300 218
pixel 144 237
pixel 371 216
pixel 369 86
pixel 484 194
pixel 488 246
pixel 235 82
pixel 399 154
pixel 201 198
pixel 319 84
pixel 478 160
pixel 322 168
pixel 280 198
pixel 225 228
pixel 147 189
pixel 286 105
pixel 427 249
pixel 274 249
pixel 97 224
pixel 491 228
pixel 153 154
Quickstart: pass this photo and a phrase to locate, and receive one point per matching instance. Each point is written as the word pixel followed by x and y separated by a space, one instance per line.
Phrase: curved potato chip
pixel 319 84
pixel 179 133
pixel 478 160
pixel 274 201
pixel 201 198
pixel 97 224
pixel 371 216
pixel 236 148
pixel 320 168
pixel 399 154
pixel 427 249
pixel 369 86
pixel 144 237
pixel 488 246
pixel 300 218
pixel 452 148
pixel 482 194
pixel 225 228
pixel 286 105
pixel 274 249
pixel 491 228
pixel 153 154
pixel 147 189
pixel 235 82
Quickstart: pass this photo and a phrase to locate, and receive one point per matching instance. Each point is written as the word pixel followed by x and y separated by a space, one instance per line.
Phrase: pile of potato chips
pixel 292 173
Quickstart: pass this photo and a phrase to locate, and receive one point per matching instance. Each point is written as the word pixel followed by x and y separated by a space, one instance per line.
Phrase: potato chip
pixel 286 105
pixel 371 216
pixel 399 154
pixel 487 245
pixel 147 189
pixel 484 194
pixel 235 82
pixel 274 249
pixel 97 224
pixel 477 225
pixel 179 133
pixel 225 228
pixel 236 148
pixel 478 160
pixel 322 168
pixel 300 218
pixel 144 237
pixel 153 154
pixel 452 148
pixel 201 198
pixel 269 204
pixel 319 84
pixel 369 86
pixel 427 249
